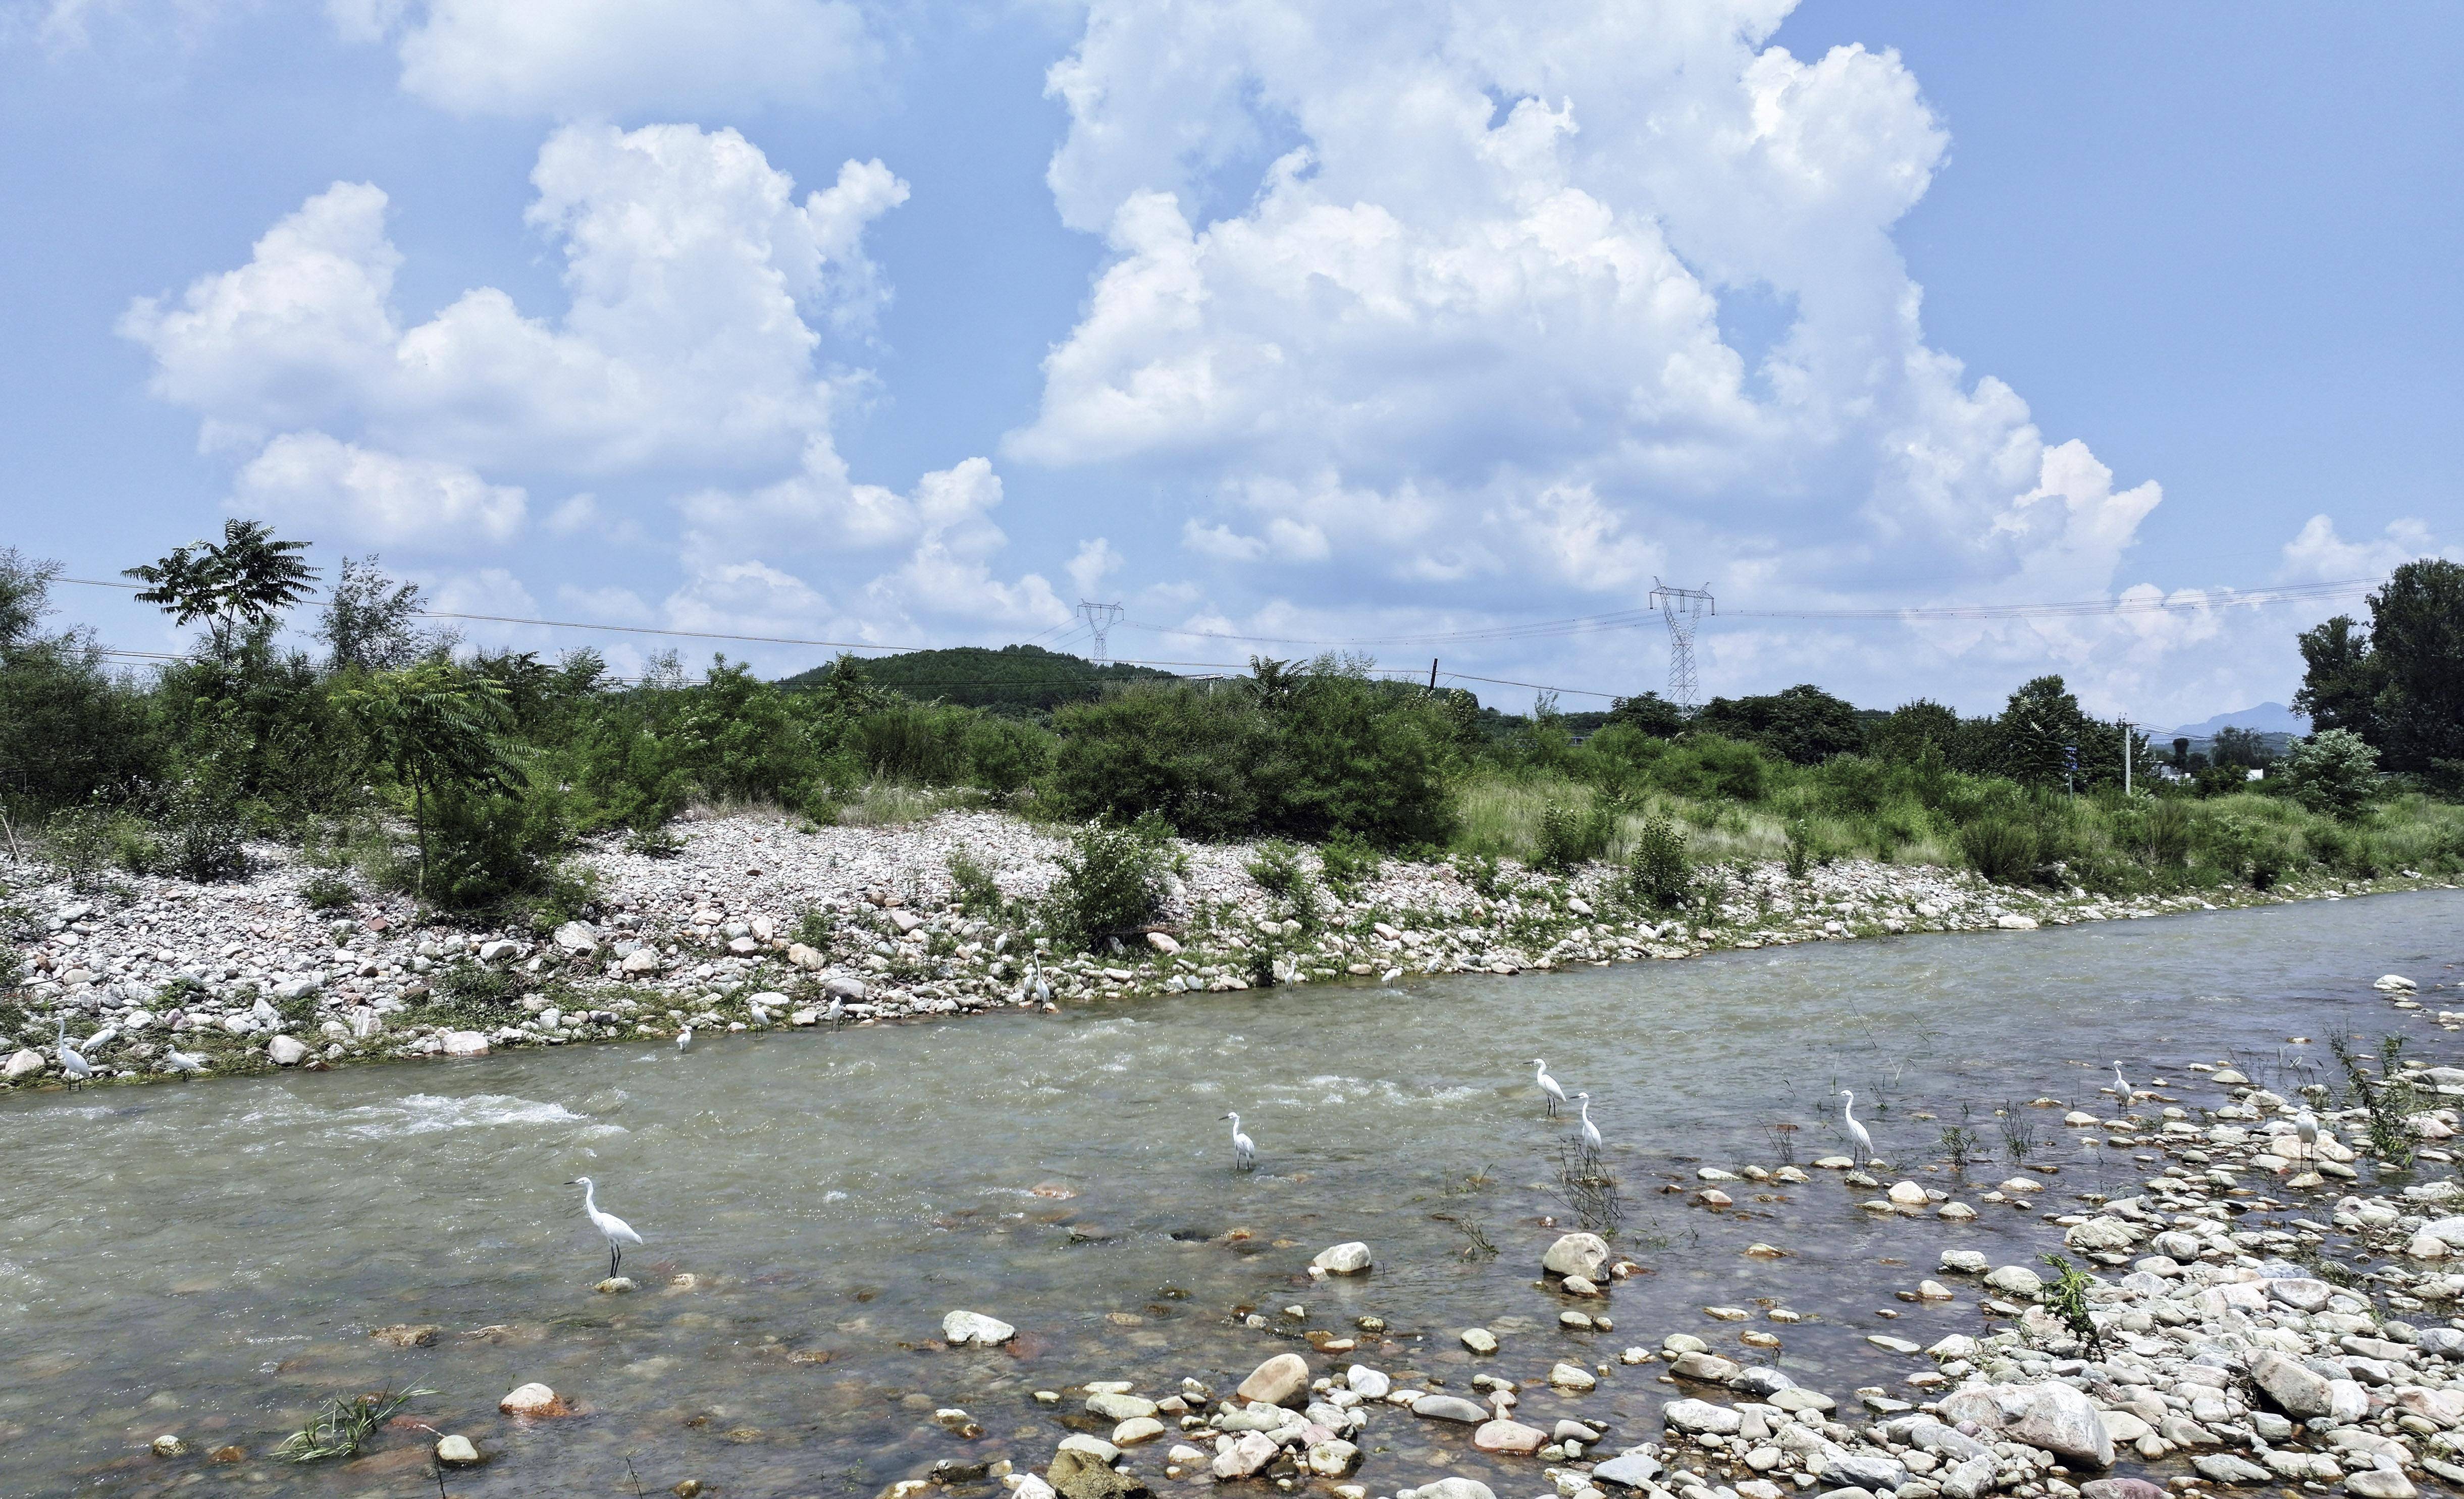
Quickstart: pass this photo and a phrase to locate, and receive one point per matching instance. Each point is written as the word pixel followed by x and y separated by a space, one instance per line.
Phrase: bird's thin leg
pixel 615 1257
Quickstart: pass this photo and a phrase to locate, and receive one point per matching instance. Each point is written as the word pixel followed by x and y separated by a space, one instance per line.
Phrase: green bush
pixel 1113 882
pixel 2332 773
pixel 202 836
pixel 1570 838
pixel 328 889
pixel 1277 868
pixel 1346 861
pixel 503 854
pixel 1707 767
pixel 1005 755
pixel 977 893
pixel 2003 848
pixel 1659 872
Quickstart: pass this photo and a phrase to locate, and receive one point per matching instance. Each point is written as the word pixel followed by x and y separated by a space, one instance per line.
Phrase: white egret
pixel 2122 1083
pixel 837 1011
pixel 684 1041
pixel 1591 1131
pixel 760 1012
pixel 1391 975
pixel 179 1061
pixel 73 1063
pixel 1244 1150
pixel 1551 1094
pixel 2307 1125
pixel 1848 1116
pixel 619 1233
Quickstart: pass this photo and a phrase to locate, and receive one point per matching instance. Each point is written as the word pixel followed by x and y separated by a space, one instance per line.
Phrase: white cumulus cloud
pixel 575 58
pixel 330 489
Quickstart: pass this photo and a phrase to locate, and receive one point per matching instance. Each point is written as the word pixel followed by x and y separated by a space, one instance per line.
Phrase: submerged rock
pixel 1582 1254
pixel 975 1330
pixel 1343 1259
pixel 454 1451
pixel 534 1401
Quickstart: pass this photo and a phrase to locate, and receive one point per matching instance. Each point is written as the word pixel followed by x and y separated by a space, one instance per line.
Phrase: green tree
pixel 1803 724
pixel 1651 713
pixel 2400 683
pixel 2240 748
pixel 2332 772
pixel 441 731
pixel 368 622
pixel 245 579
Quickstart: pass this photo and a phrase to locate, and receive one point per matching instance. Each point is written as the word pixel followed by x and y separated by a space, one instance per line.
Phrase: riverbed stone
pixel 1367 1383
pixel 169 1445
pixel 1343 1259
pixel 1076 1473
pixel 454 1451
pixel 1509 1437
pixel 2101 1233
pixel 2065 1422
pixel 1573 1378
pixel 1964 1262
pixel 1333 1457
pixel 1582 1254
pixel 1278 1381
pixel 1450 1407
pixel 1871 1471
pixel 2017 1281
pixel 465 1043
pixel 975 1330
pixel 2224 1468
pixel 2121 1488
pixel 534 1400
pixel 1704 1368
pixel 1479 1339
pixel 2379 1483
pixel 1456 1487
pixel 2291 1388
pixel 22 1063
pixel 285 1051
pixel 1241 1455
pixel 1136 1429
pixel 1697 1416
pixel 1114 1405
pixel 1631 1469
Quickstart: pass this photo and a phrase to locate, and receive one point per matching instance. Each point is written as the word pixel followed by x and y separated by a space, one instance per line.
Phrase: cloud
pixel 2318 555
pixel 1095 562
pixel 328 488
pixel 690 265
pixel 1436 294
pixel 619 57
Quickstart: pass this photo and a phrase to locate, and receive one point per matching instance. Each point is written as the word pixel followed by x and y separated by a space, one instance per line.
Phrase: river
pixel 209 1259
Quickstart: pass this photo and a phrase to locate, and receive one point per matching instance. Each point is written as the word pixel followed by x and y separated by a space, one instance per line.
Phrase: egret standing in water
pixel 761 1013
pixel 619 1233
pixel 73 1063
pixel 684 1042
pixel 2305 1124
pixel 1244 1150
pixel 2121 1085
pixel 837 1011
pixel 179 1061
pixel 1591 1131
pixel 1848 1116
pixel 1551 1095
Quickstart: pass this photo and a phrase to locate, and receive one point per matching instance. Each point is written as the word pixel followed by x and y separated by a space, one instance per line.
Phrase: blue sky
pixel 1268 320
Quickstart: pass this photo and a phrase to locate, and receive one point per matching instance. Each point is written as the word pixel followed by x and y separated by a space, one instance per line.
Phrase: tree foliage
pixel 2399 684
pixel 243 581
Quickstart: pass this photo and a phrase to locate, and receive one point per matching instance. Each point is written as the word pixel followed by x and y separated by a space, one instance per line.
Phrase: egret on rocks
pixel 619 1233
pixel 1848 1116
pixel 1591 1131
pixel 73 1063
pixel 1244 1150
pixel 179 1061
pixel 2122 1083
pixel 760 1012
pixel 684 1043
pixel 1551 1095
pixel 2307 1125
pixel 837 1011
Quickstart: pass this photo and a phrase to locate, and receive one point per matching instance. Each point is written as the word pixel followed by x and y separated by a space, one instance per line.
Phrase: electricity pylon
pixel 1100 620
pixel 1684 609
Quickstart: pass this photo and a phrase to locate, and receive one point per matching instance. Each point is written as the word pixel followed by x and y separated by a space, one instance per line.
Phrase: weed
pixel 2388 1100
pixel 328 889
pixel 816 928
pixel 977 893
pixel 653 843
pixel 1588 1189
pixel 1962 1145
pixel 1477 1244
pixel 1277 869
pixel 1783 1138
pixel 1800 851
pixel 341 1427
pixel 2066 1297
pixel 2018 1134
pixel 1570 839
pixel 476 991
pixel 1346 862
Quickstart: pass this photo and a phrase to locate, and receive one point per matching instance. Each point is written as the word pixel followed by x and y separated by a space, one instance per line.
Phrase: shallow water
pixel 209 1259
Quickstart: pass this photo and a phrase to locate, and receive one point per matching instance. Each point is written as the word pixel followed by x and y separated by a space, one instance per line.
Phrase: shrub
pixel 1659 871
pixel 1174 753
pixel 1801 850
pixel 1570 838
pixel 1346 861
pixel 1004 755
pixel 1707 767
pixel 492 852
pixel 203 840
pixel 815 928
pixel 2000 847
pixel 83 841
pixel 977 893
pixel 2332 773
pixel 1278 870
pixel 328 889
pixel 476 992
pixel 1113 882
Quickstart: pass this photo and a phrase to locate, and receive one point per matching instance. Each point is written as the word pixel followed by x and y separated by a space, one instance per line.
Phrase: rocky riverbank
pixel 757 922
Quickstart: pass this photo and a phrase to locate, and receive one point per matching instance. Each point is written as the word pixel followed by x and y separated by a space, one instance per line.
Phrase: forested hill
pixel 1021 680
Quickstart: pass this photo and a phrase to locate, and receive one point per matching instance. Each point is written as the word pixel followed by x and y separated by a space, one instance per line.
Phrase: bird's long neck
pixel 1587 1110
pixel 1848 1109
pixel 590 1197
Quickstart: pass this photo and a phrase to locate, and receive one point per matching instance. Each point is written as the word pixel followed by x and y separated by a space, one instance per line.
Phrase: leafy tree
pixel 441 731
pixel 1803 724
pixel 367 623
pixel 1905 731
pixel 2332 772
pixel 2400 684
pixel 2240 748
pixel 67 727
pixel 245 579
pixel 1651 713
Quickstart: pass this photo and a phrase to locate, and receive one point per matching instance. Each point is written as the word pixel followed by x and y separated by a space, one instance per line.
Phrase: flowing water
pixel 210 1259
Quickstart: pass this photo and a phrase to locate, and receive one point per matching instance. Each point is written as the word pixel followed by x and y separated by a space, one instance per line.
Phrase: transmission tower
pixel 1684 609
pixel 1100 620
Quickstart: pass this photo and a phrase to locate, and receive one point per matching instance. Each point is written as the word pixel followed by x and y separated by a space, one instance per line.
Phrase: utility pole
pixel 1433 676
pixel 1100 619
pixel 2125 757
pixel 1684 609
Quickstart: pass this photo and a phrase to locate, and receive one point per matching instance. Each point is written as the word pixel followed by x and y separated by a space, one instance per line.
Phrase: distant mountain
pixel 1022 680
pixel 2265 719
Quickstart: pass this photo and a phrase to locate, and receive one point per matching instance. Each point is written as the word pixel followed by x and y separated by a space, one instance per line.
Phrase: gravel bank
pixel 757 922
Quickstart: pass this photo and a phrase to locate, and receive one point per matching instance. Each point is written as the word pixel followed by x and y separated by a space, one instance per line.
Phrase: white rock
pixel 974 1330
pixel 1343 1259
pixel 465 1043
pixel 22 1063
pixel 286 1051
pixel 576 936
